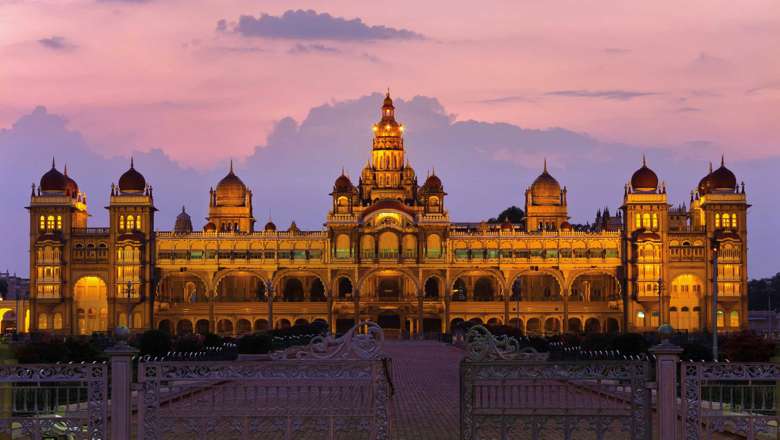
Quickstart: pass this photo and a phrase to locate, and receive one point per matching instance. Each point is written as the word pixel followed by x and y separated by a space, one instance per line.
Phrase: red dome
pixel 132 181
pixel 433 184
pixel 71 187
pixel 644 179
pixel 53 180
pixel 270 226
pixel 343 184
pixel 723 179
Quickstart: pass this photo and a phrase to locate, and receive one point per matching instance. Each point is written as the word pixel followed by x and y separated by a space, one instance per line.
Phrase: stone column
pixel 212 323
pixel 667 363
pixel 420 315
pixel 330 308
pixel 356 305
pixel 121 356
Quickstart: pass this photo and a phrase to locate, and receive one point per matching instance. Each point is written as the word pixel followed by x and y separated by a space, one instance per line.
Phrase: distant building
pixel 18 287
pixel 390 253
pixel 765 322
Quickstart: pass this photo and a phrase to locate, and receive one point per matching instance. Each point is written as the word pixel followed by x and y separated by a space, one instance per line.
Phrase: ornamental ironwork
pixel 482 345
pixel 364 341
pixel 55 401
pixel 734 398
pixel 345 394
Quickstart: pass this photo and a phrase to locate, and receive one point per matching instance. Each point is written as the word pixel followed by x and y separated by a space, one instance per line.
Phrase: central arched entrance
pixel 91 303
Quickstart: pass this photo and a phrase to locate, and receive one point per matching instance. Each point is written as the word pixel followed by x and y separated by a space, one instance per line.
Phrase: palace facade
pixel 390 253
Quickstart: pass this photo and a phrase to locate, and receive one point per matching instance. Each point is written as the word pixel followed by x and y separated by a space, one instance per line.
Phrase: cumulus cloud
pixel 311 25
pixel 56 42
pixel 614 95
pixel 469 156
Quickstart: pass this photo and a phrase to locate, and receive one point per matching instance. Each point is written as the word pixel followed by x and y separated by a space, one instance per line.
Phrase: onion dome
pixel 71 187
pixel 293 228
pixel 132 181
pixel 433 184
pixel 644 179
pixel 545 189
pixel 53 180
pixel 270 226
pixel 343 184
pixel 231 191
pixel 210 227
pixel 183 223
pixel 722 179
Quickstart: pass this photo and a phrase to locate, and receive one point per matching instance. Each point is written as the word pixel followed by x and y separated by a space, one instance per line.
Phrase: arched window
pixel 130 222
pixel 638 221
pixel 138 223
pixel 717 220
pixel 42 224
pixel 646 220
pixel 433 245
pixel 343 246
pixel 58 321
pixel 121 222
pixel 734 221
pixel 43 321
pixel 655 221
pixel 50 222
pixel 734 319
pixel 721 318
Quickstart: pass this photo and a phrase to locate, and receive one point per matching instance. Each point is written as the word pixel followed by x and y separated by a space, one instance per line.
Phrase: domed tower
pixel 389 176
pixel 131 216
pixel 546 207
pixel 432 194
pixel 183 223
pixel 58 210
pixel 345 195
pixel 645 229
pixel 230 205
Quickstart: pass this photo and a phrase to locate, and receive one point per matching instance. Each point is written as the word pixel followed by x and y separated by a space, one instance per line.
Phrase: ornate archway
pixel 91 304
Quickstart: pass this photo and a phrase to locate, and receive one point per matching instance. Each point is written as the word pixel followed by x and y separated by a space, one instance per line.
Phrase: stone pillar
pixel 121 356
pixel 565 323
pixel 212 323
pixel 420 315
pixel 330 308
pixel 356 305
pixel 667 363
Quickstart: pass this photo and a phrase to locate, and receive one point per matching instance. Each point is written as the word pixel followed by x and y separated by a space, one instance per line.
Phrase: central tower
pixel 388 176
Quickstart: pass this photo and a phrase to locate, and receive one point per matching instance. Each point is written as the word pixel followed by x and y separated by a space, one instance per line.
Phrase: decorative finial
pixel 545 164
pixel 66 169
pixel 710 167
pixel 231 166
pixel 52 162
pixel 644 160
pixel 182 209
pixel 342 170
pixel 131 163
pixel 722 160
pixel 388 92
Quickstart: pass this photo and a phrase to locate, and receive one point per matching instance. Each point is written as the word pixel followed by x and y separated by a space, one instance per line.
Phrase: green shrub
pixel 154 343
pixel 746 347
pixel 258 343
pixel 188 343
pixel 212 340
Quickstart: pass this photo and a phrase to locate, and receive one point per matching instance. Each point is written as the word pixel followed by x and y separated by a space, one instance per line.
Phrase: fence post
pixel 121 379
pixel 667 360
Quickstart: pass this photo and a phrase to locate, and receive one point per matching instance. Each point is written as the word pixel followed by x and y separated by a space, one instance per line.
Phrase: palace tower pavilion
pixel 389 253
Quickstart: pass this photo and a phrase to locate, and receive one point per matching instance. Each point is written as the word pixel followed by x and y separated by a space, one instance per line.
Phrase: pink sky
pixel 134 76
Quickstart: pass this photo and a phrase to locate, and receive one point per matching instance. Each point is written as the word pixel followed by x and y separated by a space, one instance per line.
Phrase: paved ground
pixel 425 405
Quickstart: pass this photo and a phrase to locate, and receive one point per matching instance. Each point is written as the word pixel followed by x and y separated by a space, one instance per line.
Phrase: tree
pixel 513 214
pixel 764 292
pixel 3 288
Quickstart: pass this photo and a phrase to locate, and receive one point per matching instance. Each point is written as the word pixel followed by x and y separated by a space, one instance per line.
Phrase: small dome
pixel 132 181
pixel 231 191
pixel 343 184
pixel 704 184
pixel 565 226
pixel 53 180
pixel 433 184
pixel 293 228
pixel 71 187
pixel 270 226
pixel 210 227
pixel 644 179
pixel 723 179
pixel 183 223
pixel 545 189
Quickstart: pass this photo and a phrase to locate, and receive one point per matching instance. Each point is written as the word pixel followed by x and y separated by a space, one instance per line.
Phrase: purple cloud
pixel 56 42
pixel 310 25
pixel 613 95
pixel 299 49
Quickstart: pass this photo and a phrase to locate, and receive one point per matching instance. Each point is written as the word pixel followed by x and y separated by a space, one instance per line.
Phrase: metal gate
pixel 510 394
pixel 737 398
pixel 335 388
pixel 41 401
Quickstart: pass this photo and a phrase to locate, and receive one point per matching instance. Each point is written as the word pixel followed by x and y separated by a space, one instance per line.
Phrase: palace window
pixel 42 224
pixel 717 220
pixel 130 222
pixel 50 222
pixel 655 222
pixel 121 222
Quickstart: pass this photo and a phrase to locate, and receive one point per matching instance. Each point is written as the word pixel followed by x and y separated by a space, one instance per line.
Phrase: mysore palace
pixel 388 252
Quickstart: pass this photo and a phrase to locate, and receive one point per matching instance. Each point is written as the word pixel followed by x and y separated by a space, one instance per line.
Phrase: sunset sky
pixel 486 89
pixel 141 74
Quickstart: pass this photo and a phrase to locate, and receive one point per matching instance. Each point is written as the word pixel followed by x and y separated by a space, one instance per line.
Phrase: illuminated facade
pixel 390 253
